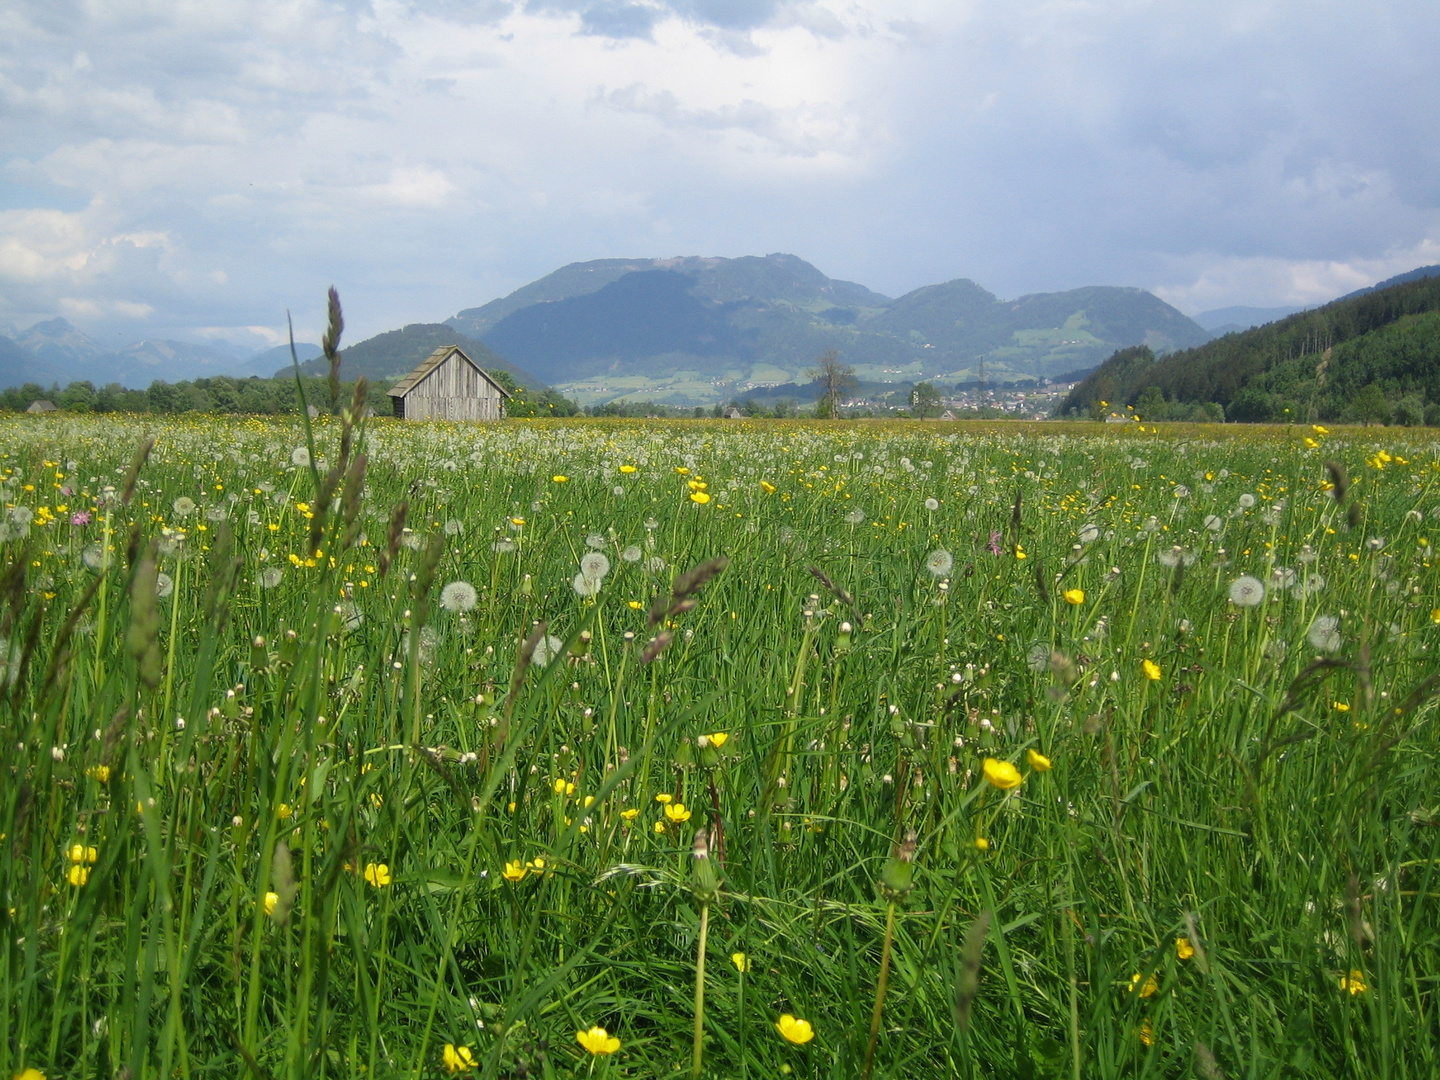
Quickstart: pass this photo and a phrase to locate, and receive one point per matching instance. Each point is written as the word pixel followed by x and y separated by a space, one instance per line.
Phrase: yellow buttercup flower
pixel 598 1041
pixel 457 1058
pixel 630 814
pixel 1147 1032
pixel 283 811
pixel 1038 761
pixel 514 870
pixel 718 739
pixel 1001 774
pixel 682 470
pixel 664 798
pixel 1151 669
pixel 79 853
pixel 560 478
pixel 741 962
pixel 1183 949
pixel 795 1030
pixel 627 469
pixel 700 497
pixel 767 487
pixel 30 1074
pixel 377 874
pixel 78 874
pixel 1354 982
pixel 1147 989
pixel 1074 596
pixel 981 844
pixel 677 813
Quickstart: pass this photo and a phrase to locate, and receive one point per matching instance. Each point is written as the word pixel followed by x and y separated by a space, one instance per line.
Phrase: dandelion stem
pixel 880 990
pixel 700 990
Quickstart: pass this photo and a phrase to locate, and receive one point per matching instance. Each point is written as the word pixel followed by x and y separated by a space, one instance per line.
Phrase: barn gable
pixel 448 385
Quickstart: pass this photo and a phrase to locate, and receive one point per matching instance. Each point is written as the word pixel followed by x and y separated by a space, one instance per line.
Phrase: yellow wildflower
pixel 1074 596
pixel 1354 982
pixel 598 1041
pixel 1147 989
pixel 1147 1032
pixel 458 1058
pixel 560 478
pixel 718 739
pixel 795 1030
pixel 79 853
pixel 78 874
pixel 627 469
pixel 700 497
pixel 630 814
pixel 664 798
pixel 1038 761
pixel 514 870
pixel 377 874
pixel 1001 774
pixel 981 844
pixel 767 487
pixel 741 962
pixel 271 899
pixel 677 813
pixel 1183 949
pixel 1152 670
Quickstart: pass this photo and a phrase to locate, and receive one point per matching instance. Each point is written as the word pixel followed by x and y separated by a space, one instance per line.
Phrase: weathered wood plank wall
pixel 453 391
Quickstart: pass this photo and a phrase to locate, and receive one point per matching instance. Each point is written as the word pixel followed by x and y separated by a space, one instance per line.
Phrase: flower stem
pixel 700 989
pixel 880 990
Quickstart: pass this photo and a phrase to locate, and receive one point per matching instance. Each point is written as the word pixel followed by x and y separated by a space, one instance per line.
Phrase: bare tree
pixel 835 377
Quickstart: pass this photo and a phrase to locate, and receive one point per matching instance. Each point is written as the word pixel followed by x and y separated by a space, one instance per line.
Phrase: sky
pixel 192 169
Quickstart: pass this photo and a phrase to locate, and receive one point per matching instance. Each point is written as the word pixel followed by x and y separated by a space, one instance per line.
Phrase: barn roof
pixel 430 363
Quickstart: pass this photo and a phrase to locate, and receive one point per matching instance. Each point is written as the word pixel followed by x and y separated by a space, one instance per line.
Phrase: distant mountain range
pixel 687 330
pixel 1372 353
pixel 54 351
pixel 694 330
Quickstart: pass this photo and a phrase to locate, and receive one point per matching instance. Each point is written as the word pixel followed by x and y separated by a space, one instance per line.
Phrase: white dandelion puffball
pixel 300 456
pixel 1324 635
pixel 164 585
pixel 595 540
pixel 351 617
pixel 1246 591
pixel 594 565
pixel 632 553
pixel 503 546
pixel 270 577
pixel 453 527
pixel 932 504
pixel 1180 491
pixel 184 506
pixel 1247 501
pixel 655 564
pixel 939 562
pixel 855 517
pixel 1089 534
pixel 93 556
pixel 1214 522
pixel 546 649
pixel 584 586
pixel 459 596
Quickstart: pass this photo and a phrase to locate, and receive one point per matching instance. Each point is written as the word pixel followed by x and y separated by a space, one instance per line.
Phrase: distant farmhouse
pixel 448 385
pixel 41 406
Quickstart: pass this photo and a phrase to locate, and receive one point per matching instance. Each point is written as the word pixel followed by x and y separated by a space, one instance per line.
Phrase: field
pixel 1048 750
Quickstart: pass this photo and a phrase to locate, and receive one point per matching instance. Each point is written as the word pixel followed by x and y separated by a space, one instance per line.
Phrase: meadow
pixel 626 749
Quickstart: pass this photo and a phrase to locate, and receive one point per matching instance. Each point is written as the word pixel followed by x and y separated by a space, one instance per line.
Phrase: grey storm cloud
pixel 171 167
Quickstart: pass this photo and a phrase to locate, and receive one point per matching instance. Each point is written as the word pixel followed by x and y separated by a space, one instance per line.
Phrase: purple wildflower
pixel 81 517
pixel 995 542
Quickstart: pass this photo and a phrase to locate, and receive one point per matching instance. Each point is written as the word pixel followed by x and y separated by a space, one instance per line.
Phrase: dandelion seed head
pixel 459 596
pixel 1246 591
pixel 939 562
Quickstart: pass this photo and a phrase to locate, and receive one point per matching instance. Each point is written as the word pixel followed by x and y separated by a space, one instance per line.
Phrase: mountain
pixel 65 351
pixel 142 363
pixel 691 329
pixel 1417 274
pixel 1313 364
pixel 396 353
pixel 1229 320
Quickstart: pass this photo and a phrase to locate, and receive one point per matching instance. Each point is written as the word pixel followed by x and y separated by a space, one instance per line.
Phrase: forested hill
pixel 1364 357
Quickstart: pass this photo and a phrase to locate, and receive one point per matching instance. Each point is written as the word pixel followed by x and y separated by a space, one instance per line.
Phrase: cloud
pixel 171 167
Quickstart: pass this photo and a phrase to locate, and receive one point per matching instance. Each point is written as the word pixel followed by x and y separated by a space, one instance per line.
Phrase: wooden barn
pixel 448 385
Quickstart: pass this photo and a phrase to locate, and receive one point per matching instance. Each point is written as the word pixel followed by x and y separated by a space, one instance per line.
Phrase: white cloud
pixel 219 162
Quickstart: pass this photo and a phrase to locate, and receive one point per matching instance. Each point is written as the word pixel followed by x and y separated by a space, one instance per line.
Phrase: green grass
pixel 374 757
